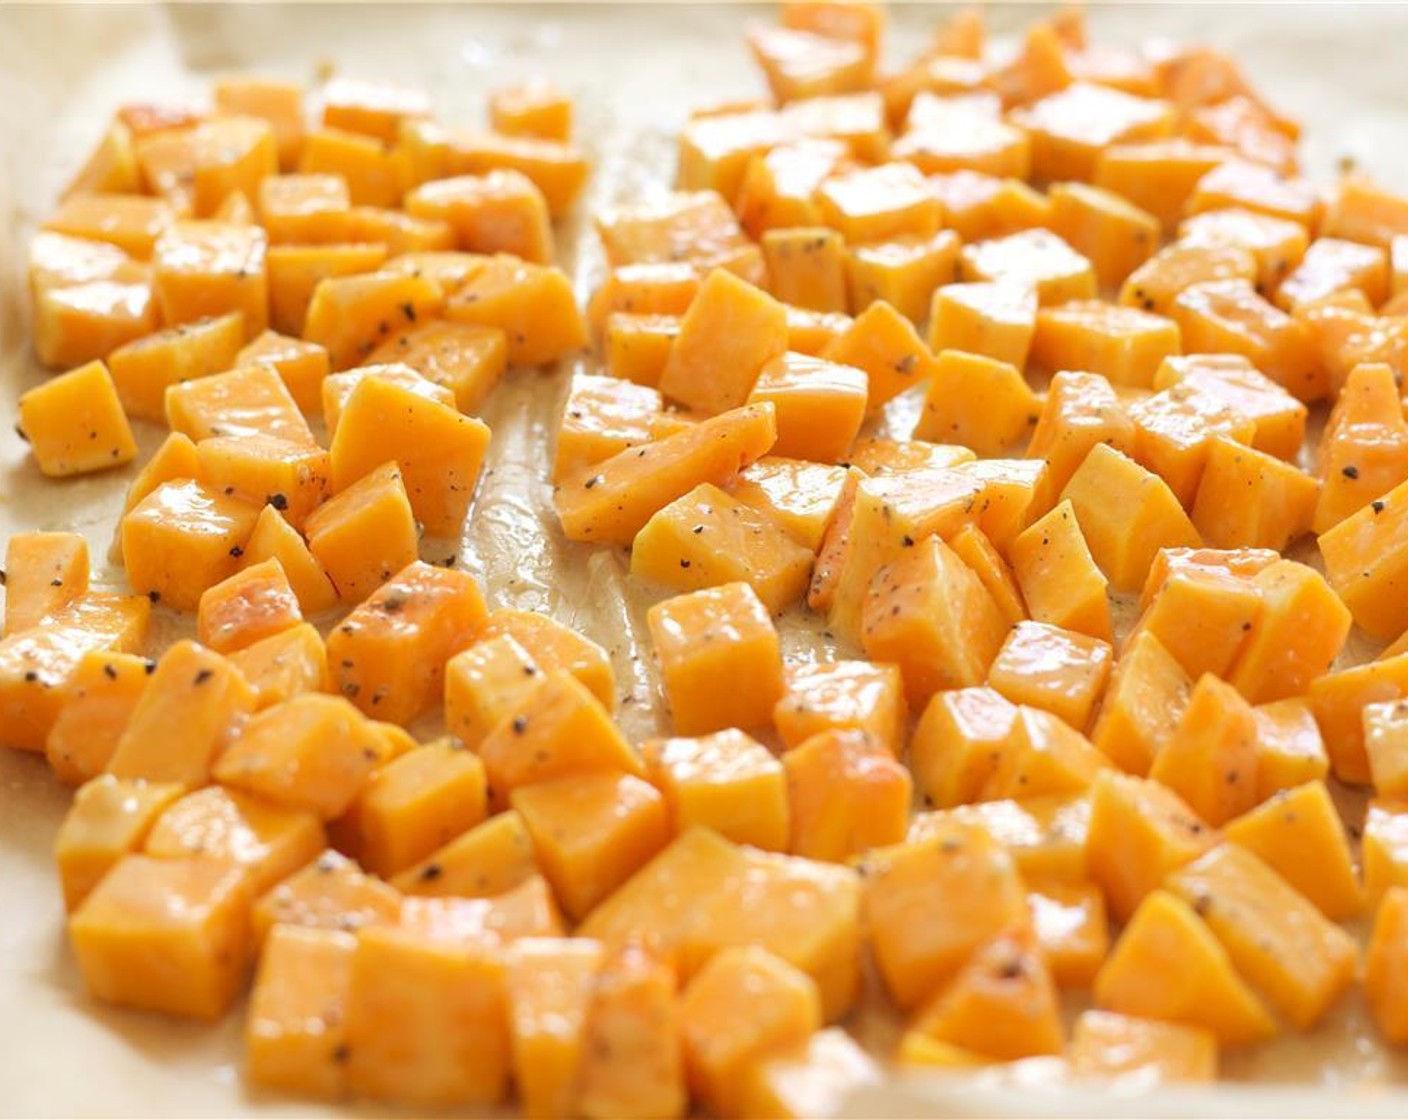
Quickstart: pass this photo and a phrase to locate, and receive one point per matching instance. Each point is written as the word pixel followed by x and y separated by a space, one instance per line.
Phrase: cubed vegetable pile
pixel 1033 372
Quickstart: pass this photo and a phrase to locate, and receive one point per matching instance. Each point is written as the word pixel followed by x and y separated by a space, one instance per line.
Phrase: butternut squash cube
pixel 992 319
pixel 634 1057
pixel 947 137
pixel 819 405
pixel 468 360
pixel 843 696
pixel 99 697
pixel 976 401
pixel 485 684
pixel 979 207
pixel 284 665
pixel 1211 758
pixel 1059 671
pixel 1070 128
pixel 1248 499
pixel 273 538
pixel 195 168
pixel 846 794
pixel 957 743
pixel 635 347
pixel 878 203
pixel 806 267
pixel 174 459
pixel 300 365
pixel 1043 758
pixel 337 388
pixel 295 1030
pixel 242 402
pixel 1383 979
pixel 592 832
pixel 57 260
pixel 1363 559
pixel 1261 189
pixel 449 1000
pixel 132 222
pixel 1331 266
pixel 254 603
pixel 533 108
pixel 1072 930
pixel 43 572
pixel 1277 245
pixel 398 231
pixel 206 269
pixel 1340 701
pixel 143 369
pixel 550 986
pixel 1105 1045
pixel 727 782
pixel 1036 259
pixel 306 209
pixel 295 271
pixel 708 644
pixel 168 935
pixel 1202 615
pixel 601 417
pixel 707 538
pixel 291 477
pixel 74 423
pixel 929 905
pixel 1114 234
pixel 351 315
pixel 88 322
pixel 109 819
pixel 1143 704
pixel 745 1005
pixel 800 497
pixel 810 1080
pixel 1363 452
pixel 1291 750
pixel 800 63
pixel 929 613
pixel 554 646
pixel 363 534
pixel 498 212
pixel 904 272
pixel 1081 410
pixel 1123 344
pixel 715 151
pixel 376 176
pixel 522 299
pixel 1046 836
pixel 1296 636
pixel 1059 580
pixel 388 656
pixel 884 344
pixel 1175 429
pixel 1156 283
pixel 778 185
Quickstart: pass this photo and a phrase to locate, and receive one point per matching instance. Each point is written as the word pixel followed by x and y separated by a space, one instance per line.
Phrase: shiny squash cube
pixel 364 534
pixel 728 782
pixel 109 818
pixel 74 423
pixel 206 269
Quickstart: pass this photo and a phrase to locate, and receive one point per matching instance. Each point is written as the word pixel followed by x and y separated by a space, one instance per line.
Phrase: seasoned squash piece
pixel 109 819
pixel 351 315
pixel 819 405
pixel 841 696
pixel 173 460
pixel 448 997
pixel 1248 499
pixel 1158 176
pixel 1296 636
pixel 273 538
pixel 1081 411
pixel 550 987
pixel 979 207
pixel 74 423
pixel 878 457
pixel 727 782
pixel 799 63
pixel 1036 259
pixel 806 267
pixel 1043 758
pixel 284 665
pixel 532 304
pixel 553 646
pixel 974 549
pixel 57 260
pixel 1383 979
pixel 1046 836
pixel 1228 316
pixel 183 538
pixel 944 138
pixel 633 1065
pixel 592 832
pixel 1123 344
pixel 1144 703
pixel 1384 850
pixel 206 269
pixel 1059 671
pixel 1156 283
pixel 635 347
pixel 615 500
pixel 601 417
pixel 337 388
pixel 484 685
pixel 1175 429
pixel 252 400
pixel 1202 614
pixel 1339 701
pixel 534 108
pixel 846 794
pixel 492 858
pixel 1140 831
pixel 1366 212
pixel 557 169
pixel 1113 233
pixel 195 168
pixel 399 232
pixel 1291 750
pixel 1168 965
pixel 1126 514
pixel 376 176
pixel 1297 958
pixel 267 842
pixel 296 1029
pixel 1113 1047
pixel 99 697
pixel 254 603
pixel 311 752
pixel 800 497
pixel 362 534
pixel 1002 1005
pixel 132 222
pixel 1363 558
pixel 1059 580
pixel 1255 187
pixel 145 368
pixel 778 187
pixel 709 643
pixel 663 288
pixel 884 344
pixel 1384 744
pixel 560 730
pixel 1070 128
pixel 278 103
pixel 35 663
pixel 43 573
pixel 373 108
pixel 930 904
pixel 980 402
pixel 1210 760
pixel 707 538
pixel 168 935
pixel 295 271
pixel 292 477
pixel 903 272
pixel 388 656
pixel 957 743
pixel 1363 452
pixel 498 212
pixel 1331 266
pixel 89 321
pixel 413 806
pixel 811 1080
pixel 744 1006
pixel 878 203
pixel 300 365
pixel 716 151
pixel 468 360
pixel 1072 930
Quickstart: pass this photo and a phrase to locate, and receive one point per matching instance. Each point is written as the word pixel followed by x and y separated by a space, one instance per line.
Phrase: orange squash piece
pixel 727 782
pixel 1057 670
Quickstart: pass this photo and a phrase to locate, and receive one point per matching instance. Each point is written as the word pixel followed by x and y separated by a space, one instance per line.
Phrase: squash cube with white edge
pixel 301 365
pixel 820 405
pixel 499 212
pixel 168 935
pixel 311 752
pixel 350 316
pixel 183 538
pixel 532 304
pixel 1035 259
pixel 1123 344
pixel 550 986
pixel 146 367
pixel 440 452
pixel 720 658
pixel 75 424
pixel 203 269
pixel 743 1006
pixel 295 1031
pixel 468 360
pixel 994 320
pixel 388 656
pixel 727 781
pixel 979 402
pixel 109 818
pixel 364 534
pixel 708 538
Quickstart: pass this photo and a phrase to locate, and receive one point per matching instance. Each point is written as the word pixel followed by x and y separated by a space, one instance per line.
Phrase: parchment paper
pixel 634 70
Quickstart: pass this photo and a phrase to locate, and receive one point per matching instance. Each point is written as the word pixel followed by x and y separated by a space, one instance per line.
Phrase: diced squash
pixel 497 212
pixel 195 168
pixel 1363 452
pixel 1060 582
pixel 1112 232
pixel 811 1080
pixel 979 402
pixel 1296 636
pixel 819 405
pixel 207 269
pixel 1143 704
pixel 1257 188
pixel 1210 760
pixel 490 859
pixel 884 344
pixel 877 203
pixel 846 794
pixel 1383 974
pixel 75 423
pixel 1340 700
pixel 957 743
pixel 362 534
pixel 1105 1045
pixel 351 315
pixel 550 986
pixel 1124 344
pixel 904 272
pixel 995 320
pixel 273 538
pixel 727 782
pixel 284 665
pixel 301 365
pixel 99 698
pixel 254 603
pixel 143 369
pixel 1277 245
pixel 109 819
pixel 839 696
pixel 1044 757
pixel 467 359
pixel 43 573
pixel 806 267
pixel 531 303
pixel 1070 128
pixel 296 271
pixel 554 646
pixel 132 222
pixel 1156 283
pixel 1037 259
pixel 1291 750
pixel 800 497
pixel 1072 930
pixel 90 321
pixel 636 346
pixel 1057 670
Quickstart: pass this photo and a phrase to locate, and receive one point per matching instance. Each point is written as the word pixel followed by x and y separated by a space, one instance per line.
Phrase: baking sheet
pixel 635 69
